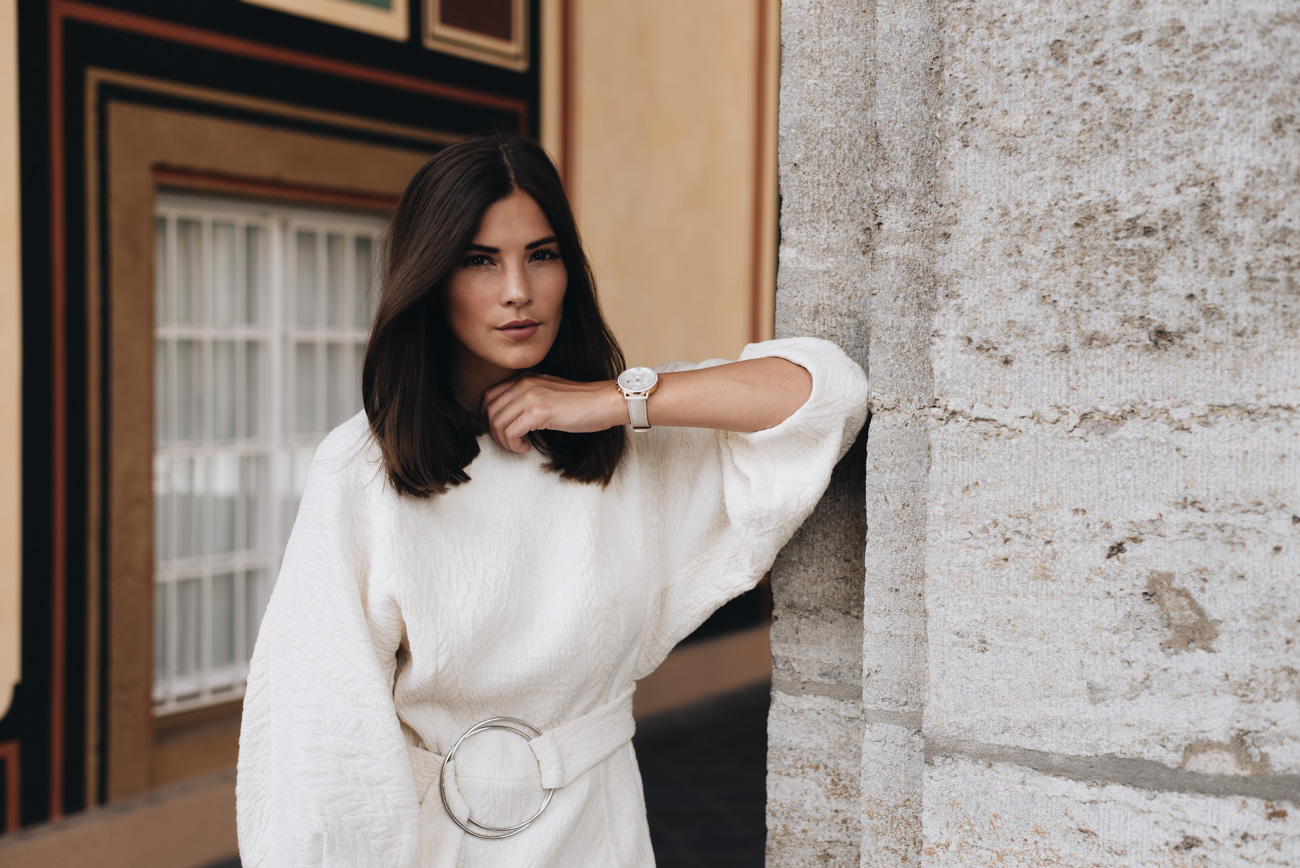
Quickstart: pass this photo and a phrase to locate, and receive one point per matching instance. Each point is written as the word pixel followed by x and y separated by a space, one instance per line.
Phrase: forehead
pixel 516 218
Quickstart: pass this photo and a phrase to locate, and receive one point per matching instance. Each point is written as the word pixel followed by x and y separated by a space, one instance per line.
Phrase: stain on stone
pixel 1120 546
pixel 1275 813
pixel 1162 338
pixel 1189 842
pixel 1225 757
pixel 1188 624
pixel 1060 50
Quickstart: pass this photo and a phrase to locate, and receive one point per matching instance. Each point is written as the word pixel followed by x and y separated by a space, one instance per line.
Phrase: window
pixel 262 313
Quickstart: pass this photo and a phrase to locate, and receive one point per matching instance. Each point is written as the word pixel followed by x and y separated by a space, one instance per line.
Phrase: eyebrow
pixel 549 239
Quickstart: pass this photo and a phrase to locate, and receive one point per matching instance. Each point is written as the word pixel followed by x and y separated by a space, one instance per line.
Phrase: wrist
pixel 614 405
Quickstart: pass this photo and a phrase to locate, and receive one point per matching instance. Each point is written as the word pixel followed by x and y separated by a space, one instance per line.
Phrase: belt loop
pixel 568 751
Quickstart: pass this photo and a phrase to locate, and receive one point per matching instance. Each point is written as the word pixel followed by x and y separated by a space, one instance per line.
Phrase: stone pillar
pixel 816 725
pixel 1066 236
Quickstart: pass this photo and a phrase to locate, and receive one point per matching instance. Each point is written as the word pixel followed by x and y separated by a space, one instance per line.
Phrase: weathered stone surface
pixel 1111 551
pixel 814 733
pixel 1119 198
pixel 823 152
pixel 812 781
pixel 1129 593
pixel 979 814
pixel 893 767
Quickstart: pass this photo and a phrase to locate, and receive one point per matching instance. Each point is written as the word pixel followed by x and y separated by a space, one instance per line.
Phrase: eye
pixel 476 260
pixel 545 254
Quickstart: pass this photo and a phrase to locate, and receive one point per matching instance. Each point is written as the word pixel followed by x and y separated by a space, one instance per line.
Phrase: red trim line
pixel 240 185
pixel 288 57
pixel 756 294
pixel 567 87
pixel 12 758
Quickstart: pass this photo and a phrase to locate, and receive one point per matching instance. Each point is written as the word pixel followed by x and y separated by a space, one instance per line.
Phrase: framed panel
pixel 381 17
pixel 489 31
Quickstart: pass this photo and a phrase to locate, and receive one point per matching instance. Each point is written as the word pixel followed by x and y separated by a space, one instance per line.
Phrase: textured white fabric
pixel 400 622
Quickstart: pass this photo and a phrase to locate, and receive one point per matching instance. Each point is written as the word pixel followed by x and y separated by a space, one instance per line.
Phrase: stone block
pixel 893 763
pixel 1118 206
pixel 1128 594
pixel 1001 815
pixel 813 791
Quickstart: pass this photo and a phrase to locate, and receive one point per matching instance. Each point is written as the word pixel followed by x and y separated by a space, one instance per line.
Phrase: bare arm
pixel 742 396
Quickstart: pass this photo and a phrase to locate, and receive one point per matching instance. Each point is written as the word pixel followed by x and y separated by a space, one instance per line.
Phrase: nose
pixel 517 290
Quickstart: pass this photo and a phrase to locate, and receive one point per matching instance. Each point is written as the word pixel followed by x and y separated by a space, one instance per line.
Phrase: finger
pixel 521 426
pixel 501 388
pixel 506 413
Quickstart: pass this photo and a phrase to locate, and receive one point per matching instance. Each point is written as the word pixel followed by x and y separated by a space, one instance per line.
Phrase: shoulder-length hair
pixel 426 437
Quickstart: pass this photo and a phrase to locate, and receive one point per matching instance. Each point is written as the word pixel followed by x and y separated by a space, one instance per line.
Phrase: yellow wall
pixel 10 360
pixel 664 150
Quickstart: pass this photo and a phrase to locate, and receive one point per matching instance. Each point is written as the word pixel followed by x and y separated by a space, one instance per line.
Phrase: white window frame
pixel 285 447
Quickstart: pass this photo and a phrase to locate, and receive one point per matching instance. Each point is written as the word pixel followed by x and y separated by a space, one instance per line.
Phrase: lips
pixel 520 329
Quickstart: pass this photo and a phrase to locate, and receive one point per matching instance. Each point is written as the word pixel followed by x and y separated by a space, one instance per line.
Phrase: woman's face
pixel 505 298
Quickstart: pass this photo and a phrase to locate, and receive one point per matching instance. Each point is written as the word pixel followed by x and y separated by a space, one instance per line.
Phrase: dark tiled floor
pixel 705 774
pixel 704 769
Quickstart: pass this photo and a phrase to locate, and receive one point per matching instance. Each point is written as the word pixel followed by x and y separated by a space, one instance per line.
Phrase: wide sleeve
pixel 722 504
pixel 323 774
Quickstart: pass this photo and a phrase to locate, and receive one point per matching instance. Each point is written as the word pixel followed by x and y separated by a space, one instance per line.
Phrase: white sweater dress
pixel 397 624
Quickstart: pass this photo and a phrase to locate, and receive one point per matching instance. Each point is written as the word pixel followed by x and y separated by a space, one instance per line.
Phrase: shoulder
pixel 348 456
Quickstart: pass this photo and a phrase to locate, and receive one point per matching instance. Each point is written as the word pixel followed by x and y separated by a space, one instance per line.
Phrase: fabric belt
pixel 563 753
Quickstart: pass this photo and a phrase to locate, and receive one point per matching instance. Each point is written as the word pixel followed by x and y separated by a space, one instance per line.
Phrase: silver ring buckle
pixel 527 732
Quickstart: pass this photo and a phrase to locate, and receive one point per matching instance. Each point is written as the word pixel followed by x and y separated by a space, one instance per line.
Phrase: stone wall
pixel 1065 236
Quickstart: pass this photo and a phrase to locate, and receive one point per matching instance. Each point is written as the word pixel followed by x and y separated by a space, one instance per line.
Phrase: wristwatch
pixel 637 384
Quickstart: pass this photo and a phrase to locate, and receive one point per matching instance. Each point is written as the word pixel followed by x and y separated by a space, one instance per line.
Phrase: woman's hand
pixel 537 402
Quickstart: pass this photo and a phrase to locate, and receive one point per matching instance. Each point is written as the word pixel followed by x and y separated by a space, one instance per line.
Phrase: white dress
pixel 396 624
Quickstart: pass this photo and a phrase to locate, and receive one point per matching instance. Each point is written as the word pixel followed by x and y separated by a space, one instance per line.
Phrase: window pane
pixel 224 487
pixel 253 389
pixel 362 263
pixel 160 629
pixel 224 289
pixel 162 391
pixel 255 268
pixel 162 509
pixel 223 390
pixel 342 389
pixel 335 311
pixel 161 297
pixel 253 481
pixel 189 391
pixel 223 619
pixel 305 279
pixel 189 291
pixel 188 616
pixel 304 388
pixel 185 509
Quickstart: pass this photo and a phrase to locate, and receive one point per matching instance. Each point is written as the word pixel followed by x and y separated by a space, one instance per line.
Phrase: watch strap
pixel 636 412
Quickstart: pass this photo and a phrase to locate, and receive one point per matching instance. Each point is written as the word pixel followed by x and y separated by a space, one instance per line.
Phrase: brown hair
pixel 427 439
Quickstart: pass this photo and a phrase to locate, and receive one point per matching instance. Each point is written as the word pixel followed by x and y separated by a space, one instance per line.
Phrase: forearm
pixel 742 396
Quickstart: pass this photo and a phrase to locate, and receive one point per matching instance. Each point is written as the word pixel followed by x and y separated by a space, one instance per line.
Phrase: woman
pixel 486 541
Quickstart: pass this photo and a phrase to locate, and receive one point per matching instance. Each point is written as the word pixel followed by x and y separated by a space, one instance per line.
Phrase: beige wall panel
pixel 10 362
pixel 663 158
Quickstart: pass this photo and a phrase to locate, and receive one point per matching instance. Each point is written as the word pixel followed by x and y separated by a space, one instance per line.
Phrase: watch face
pixel 637 379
